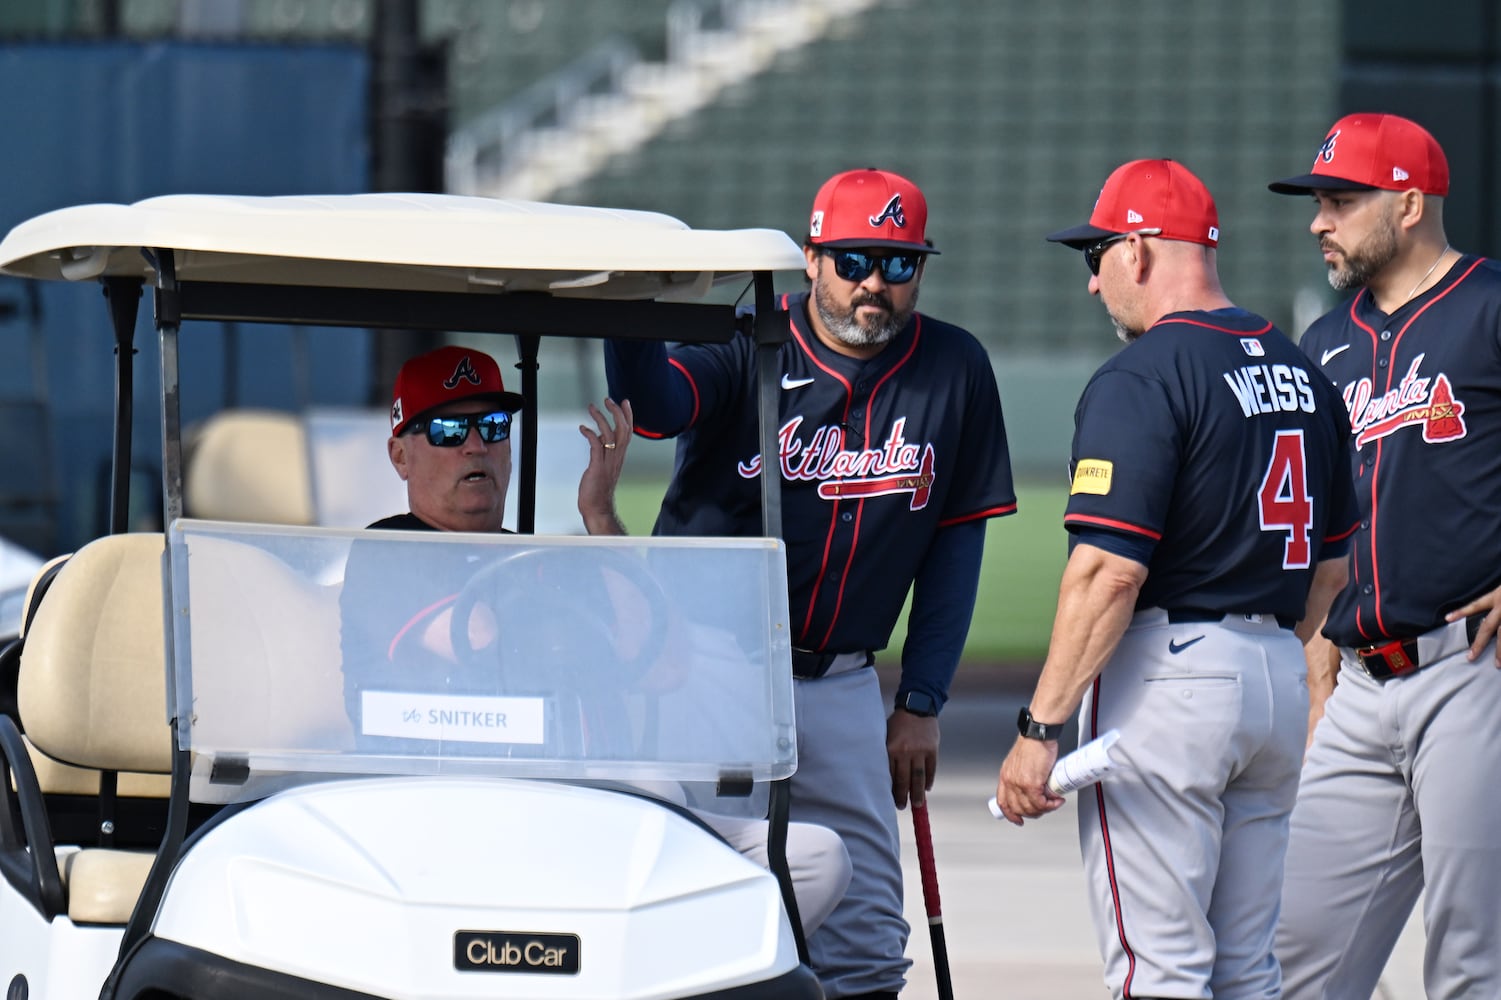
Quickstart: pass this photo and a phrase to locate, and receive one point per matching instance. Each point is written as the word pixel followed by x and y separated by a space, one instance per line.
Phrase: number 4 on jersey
pixel 1284 501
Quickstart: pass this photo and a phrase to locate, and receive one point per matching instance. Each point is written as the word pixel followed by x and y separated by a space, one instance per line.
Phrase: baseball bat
pixel 934 906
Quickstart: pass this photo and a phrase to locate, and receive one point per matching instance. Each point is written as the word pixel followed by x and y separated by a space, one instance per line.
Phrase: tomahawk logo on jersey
pixel 1428 403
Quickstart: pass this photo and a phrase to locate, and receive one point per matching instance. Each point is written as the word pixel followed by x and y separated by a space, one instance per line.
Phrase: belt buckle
pixel 1392 656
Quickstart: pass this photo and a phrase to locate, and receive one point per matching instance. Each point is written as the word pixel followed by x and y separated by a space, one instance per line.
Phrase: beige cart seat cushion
pixel 250 465
pixel 103 885
pixel 92 687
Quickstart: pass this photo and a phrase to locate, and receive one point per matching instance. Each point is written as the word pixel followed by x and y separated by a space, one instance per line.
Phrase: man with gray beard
pixel 1396 795
pixel 892 456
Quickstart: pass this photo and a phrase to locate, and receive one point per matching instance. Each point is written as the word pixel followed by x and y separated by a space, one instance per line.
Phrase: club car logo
pixel 516 951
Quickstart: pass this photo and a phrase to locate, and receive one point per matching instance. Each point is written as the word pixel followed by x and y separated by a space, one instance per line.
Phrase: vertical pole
pixel 168 323
pixel 771 333
pixel 124 297
pixel 526 499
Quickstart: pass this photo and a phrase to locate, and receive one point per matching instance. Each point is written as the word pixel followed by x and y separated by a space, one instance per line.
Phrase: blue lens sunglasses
pixel 852 265
pixel 450 432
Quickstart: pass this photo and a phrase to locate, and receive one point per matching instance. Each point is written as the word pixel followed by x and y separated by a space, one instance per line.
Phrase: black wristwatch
pixel 917 703
pixel 1034 730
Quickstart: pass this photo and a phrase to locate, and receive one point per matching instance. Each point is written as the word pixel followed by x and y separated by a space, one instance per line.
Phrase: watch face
pixel 918 703
pixel 1034 730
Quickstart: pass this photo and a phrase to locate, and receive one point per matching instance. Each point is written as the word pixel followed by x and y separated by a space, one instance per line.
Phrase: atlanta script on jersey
pixel 1426 378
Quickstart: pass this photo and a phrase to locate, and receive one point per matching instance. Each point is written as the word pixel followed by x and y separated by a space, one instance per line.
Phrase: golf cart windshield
pixel 325 651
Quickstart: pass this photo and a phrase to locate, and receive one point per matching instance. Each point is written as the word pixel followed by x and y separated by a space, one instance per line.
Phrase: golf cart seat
pixel 249 465
pixel 55 778
pixel 91 693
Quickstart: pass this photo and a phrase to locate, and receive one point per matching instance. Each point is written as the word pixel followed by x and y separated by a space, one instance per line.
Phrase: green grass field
pixel 1024 556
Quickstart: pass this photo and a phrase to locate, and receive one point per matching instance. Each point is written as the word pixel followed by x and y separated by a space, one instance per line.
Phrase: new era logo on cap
pixel 1374 151
pixel 869 208
pixel 1157 197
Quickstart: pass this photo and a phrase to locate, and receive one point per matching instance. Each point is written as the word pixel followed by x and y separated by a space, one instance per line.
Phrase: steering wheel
pixel 556 635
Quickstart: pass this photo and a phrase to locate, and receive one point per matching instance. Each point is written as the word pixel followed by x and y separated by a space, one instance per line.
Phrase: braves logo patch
pixel 1428 403
pixel 462 372
pixel 892 211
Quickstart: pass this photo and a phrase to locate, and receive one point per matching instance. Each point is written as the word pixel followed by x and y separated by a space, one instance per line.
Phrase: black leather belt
pixel 808 665
pixel 1396 657
pixel 1190 616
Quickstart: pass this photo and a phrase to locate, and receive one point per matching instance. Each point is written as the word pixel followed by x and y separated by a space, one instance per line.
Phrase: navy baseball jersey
pixel 1233 521
pixel 876 457
pixel 1423 390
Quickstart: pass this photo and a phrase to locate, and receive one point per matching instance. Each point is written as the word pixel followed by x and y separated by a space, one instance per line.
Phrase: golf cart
pixel 207 798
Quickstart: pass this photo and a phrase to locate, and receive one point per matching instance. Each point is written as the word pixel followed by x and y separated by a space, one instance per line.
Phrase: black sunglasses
pixel 897 269
pixel 1094 252
pixel 450 432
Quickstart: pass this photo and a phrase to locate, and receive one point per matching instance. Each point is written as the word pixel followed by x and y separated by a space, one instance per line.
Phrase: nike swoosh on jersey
pixel 1332 352
pixel 1177 647
pixel 788 382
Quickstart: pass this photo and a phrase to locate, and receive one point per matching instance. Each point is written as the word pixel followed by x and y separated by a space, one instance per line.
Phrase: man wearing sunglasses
pixel 1209 520
pixel 450 443
pixel 893 456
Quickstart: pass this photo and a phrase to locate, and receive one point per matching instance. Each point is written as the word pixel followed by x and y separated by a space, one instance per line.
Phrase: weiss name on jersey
pixel 1270 389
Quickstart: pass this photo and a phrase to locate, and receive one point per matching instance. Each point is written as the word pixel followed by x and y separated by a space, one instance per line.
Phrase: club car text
pixel 515 951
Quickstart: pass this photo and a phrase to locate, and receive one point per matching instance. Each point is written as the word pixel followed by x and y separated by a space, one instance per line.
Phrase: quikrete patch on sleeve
pixel 1092 475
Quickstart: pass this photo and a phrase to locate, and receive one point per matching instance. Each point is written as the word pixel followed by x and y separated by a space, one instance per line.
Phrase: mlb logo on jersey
pixel 1252 346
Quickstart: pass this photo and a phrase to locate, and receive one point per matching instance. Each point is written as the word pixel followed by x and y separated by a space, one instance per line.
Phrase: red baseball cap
pixel 869 208
pixel 446 375
pixel 1363 152
pixel 1155 197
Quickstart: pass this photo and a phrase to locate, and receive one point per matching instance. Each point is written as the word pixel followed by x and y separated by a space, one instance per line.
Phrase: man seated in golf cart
pixel 450 443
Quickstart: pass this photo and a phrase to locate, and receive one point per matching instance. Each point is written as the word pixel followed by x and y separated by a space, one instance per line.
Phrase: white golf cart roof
pixel 414 242
pixel 421 262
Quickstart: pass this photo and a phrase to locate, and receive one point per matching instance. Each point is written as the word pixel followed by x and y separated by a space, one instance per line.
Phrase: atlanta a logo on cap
pixel 892 211
pixel 1326 151
pixel 463 371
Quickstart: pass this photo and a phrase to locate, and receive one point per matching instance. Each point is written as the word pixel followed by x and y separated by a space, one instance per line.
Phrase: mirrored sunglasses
pixel 450 432
pixel 896 269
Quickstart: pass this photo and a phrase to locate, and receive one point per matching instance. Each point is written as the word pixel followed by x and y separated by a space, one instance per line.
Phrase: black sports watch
pixel 917 703
pixel 1034 730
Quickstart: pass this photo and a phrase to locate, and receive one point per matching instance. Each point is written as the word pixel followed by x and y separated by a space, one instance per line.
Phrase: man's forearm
pixel 1095 602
